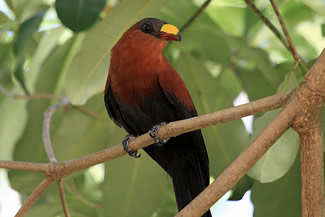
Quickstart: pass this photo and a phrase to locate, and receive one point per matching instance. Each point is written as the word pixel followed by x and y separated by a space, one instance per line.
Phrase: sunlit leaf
pixel 279 158
pixel 3 18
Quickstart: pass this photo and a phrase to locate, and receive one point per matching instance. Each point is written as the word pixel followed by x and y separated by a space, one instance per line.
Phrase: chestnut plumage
pixel 143 90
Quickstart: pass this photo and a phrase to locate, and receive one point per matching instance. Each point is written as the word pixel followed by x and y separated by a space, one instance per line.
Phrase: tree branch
pixel 287 42
pixel 25 166
pixel 34 196
pixel 290 44
pixel 267 22
pixel 286 33
pixel 63 199
pixel 61 169
pixel 310 97
pixel 46 127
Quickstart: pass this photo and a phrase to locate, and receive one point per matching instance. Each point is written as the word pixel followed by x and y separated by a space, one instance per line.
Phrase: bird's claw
pixel 153 132
pixel 125 144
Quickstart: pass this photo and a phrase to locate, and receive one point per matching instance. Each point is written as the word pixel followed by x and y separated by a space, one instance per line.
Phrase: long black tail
pixel 190 184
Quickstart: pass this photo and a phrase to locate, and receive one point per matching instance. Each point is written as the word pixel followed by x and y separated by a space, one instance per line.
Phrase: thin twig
pixel 286 33
pixel 46 127
pixel 63 199
pixel 29 97
pixel 267 22
pixel 197 13
pixel 34 196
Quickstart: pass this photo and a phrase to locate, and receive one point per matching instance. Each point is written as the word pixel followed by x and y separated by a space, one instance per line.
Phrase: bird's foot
pixel 125 144
pixel 153 132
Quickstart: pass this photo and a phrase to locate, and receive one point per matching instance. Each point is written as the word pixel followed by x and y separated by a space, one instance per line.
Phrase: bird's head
pixel 159 29
pixel 147 36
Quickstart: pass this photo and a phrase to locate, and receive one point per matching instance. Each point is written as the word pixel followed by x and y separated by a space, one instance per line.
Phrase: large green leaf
pixel 26 32
pixel 79 15
pixel 13 120
pixel 88 71
pixel 279 158
pixel 280 198
pixel 133 187
pixel 46 45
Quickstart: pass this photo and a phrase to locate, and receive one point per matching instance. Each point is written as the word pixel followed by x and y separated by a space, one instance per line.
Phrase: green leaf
pixel 46 45
pixel 254 83
pixel 228 13
pixel 280 198
pixel 25 33
pixel 277 161
pixel 129 188
pixel 317 5
pixel 79 15
pixel 11 128
pixel 230 83
pixel 4 18
pixel 245 184
pixel 88 71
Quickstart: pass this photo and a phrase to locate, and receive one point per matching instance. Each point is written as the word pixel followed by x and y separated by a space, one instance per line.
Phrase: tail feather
pixel 189 185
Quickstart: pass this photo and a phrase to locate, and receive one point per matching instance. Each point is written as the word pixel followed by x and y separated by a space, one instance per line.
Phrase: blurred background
pixel 227 56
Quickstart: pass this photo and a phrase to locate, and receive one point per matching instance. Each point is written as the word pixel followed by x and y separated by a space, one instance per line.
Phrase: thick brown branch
pixel 310 99
pixel 240 166
pixel 34 196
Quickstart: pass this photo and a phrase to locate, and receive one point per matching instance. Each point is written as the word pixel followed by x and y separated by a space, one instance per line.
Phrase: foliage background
pixel 226 51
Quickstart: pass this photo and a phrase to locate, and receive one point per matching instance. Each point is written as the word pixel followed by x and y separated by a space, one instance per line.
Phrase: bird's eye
pixel 147 28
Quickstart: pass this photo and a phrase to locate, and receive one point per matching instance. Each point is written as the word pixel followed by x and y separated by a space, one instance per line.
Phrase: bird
pixel 143 91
